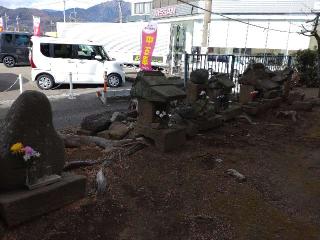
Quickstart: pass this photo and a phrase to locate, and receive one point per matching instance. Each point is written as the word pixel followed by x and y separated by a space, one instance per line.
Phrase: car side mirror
pixel 98 57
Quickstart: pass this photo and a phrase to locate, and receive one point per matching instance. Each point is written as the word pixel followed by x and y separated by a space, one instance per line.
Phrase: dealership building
pixel 236 26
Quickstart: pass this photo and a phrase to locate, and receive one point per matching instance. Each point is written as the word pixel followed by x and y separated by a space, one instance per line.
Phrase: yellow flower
pixel 17 148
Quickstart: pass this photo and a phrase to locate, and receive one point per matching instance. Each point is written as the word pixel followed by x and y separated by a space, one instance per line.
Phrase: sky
pixel 49 4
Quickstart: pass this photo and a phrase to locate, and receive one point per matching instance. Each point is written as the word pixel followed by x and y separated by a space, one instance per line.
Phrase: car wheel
pixel 114 80
pixel 45 81
pixel 9 61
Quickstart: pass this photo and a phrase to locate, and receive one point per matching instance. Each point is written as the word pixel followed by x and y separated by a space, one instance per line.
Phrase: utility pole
pixel 18 27
pixel 51 25
pixel 64 10
pixel 120 10
pixel 75 14
pixel 6 19
pixel 206 21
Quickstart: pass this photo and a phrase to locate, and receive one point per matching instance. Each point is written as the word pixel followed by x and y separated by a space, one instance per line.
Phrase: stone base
pixel 20 206
pixel 231 113
pixel 209 123
pixel 165 139
pixel 255 108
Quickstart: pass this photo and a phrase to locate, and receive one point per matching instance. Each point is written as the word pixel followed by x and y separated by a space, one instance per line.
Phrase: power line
pixel 237 20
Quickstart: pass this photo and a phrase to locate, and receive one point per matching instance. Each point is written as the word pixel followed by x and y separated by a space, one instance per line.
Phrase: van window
pixel 8 38
pixel 44 49
pixel 86 52
pixel 62 50
pixel 22 40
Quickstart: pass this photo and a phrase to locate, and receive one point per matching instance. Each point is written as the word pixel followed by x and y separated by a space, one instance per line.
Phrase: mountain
pixel 103 12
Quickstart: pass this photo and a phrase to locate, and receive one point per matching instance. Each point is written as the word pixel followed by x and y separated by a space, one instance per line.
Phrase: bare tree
pixel 312 31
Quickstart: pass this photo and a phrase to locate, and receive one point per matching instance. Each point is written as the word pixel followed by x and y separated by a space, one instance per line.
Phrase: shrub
pixel 306 65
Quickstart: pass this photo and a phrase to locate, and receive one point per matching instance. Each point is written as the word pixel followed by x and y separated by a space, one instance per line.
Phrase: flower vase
pixel 31 176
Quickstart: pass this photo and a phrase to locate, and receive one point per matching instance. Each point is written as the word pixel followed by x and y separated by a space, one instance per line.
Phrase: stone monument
pixel 154 93
pixel 32 158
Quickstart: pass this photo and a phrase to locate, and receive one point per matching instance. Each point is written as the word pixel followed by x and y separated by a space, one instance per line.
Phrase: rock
pixel 187 112
pixel 272 94
pixel 165 139
pixel 314 101
pixel 295 95
pixel 101 182
pixel 199 76
pixel 231 113
pixel 238 176
pixel 116 131
pixel 207 123
pixel 29 121
pixel 96 122
pixel 301 106
pixel 118 116
pixel 132 114
pixel 292 114
pixel 255 75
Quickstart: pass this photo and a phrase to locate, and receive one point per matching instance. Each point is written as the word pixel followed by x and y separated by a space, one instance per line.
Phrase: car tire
pixel 9 61
pixel 45 81
pixel 114 80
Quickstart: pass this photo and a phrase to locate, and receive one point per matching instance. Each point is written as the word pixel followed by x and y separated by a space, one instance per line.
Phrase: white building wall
pixel 235 36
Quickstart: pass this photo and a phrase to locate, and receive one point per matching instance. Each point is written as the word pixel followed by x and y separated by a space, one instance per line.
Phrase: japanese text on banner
pixel 149 36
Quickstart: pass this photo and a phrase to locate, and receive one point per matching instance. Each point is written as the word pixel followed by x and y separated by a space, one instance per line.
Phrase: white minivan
pixel 56 60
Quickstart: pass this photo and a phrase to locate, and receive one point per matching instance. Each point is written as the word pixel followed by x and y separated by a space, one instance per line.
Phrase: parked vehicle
pixel 55 60
pixel 14 48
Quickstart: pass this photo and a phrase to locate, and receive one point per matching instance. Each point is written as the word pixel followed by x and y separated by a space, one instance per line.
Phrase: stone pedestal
pixel 20 206
pixel 194 90
pixel 146 110
pixel 245 91
pixel 165 139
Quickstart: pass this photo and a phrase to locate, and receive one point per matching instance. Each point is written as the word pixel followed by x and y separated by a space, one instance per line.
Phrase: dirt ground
pixel 187 194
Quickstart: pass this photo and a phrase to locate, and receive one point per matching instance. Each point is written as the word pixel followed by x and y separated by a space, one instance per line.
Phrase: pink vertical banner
pixel 149 37
pixel 1 24
pixel 36 26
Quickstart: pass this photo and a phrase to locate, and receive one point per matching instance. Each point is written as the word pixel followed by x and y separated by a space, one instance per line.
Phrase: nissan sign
pixel 164 12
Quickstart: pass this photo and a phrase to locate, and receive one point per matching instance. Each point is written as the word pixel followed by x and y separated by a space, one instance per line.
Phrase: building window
pixel 142 8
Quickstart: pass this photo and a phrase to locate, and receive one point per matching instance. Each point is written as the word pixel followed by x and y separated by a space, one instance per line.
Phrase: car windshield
pixel 103 53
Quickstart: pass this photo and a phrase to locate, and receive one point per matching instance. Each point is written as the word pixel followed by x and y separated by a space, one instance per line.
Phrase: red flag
pixel 36 26
pixel 149 36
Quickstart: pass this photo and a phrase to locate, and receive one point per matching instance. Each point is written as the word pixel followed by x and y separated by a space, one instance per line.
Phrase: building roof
pixel 263 6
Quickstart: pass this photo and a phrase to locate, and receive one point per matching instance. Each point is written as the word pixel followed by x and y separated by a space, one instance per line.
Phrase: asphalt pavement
pixel 66 112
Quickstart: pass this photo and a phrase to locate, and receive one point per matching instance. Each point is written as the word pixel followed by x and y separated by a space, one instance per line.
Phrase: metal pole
pixel 287 46
pixel 6 18
pixel 266 44
pixel 64 10
pixel 71 95
pixel 20 83
pixel 227 37
pixel 245 44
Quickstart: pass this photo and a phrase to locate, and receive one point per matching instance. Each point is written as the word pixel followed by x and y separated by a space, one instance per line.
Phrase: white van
pixel 55 60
